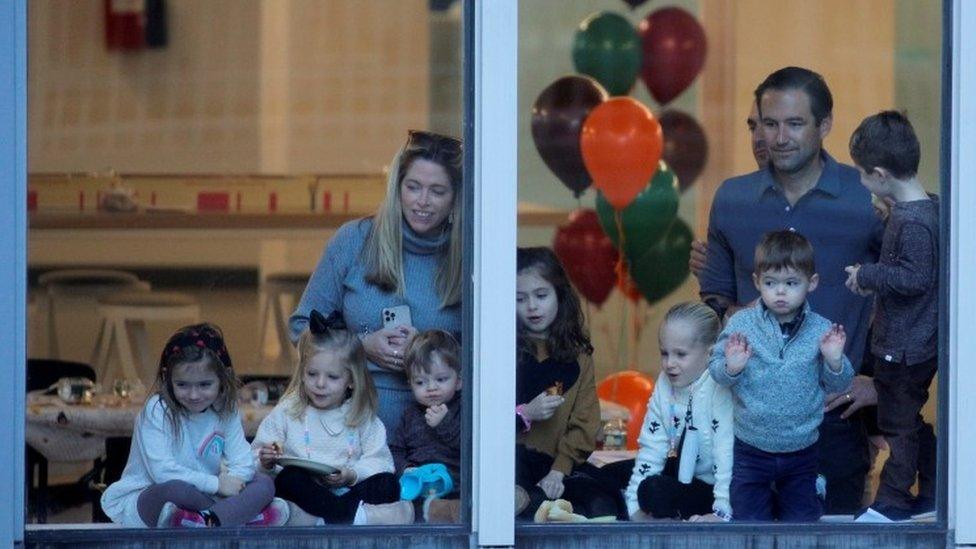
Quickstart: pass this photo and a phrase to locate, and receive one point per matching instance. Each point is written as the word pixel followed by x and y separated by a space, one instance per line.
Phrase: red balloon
pixel 621 143
pixel 587 255
pixel 557 120
pixel 685 146
pixel 674 52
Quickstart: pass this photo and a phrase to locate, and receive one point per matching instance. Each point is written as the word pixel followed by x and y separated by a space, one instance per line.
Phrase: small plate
pixel 307 464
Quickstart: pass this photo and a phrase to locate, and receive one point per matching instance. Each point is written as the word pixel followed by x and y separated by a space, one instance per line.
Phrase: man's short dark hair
pixel 780 250
pixel 798 78
pixel 886 140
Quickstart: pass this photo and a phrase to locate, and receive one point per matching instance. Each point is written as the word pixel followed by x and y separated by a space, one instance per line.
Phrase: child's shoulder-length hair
pixel 348 350
pixel 568 336
pixel 196 344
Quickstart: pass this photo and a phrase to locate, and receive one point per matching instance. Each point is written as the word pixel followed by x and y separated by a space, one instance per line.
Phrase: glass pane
pixel 609 88
pixel 192 162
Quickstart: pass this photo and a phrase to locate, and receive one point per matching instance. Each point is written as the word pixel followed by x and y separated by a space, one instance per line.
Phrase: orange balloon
pixel 621 142
pixel 626 285
pixel 632 390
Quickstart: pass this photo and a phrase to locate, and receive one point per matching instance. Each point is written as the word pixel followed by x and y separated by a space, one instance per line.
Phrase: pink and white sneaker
pixel 172 516
pixel 275 514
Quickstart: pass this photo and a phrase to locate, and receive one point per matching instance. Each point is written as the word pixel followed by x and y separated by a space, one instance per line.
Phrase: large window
pixel 607 89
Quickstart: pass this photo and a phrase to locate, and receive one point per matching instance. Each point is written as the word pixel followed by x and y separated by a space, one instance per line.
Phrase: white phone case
pixel 396 316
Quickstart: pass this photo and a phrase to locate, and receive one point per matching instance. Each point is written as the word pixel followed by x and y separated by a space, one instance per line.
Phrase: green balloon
pixel 647 219
pixel 608 49
pixel 664 267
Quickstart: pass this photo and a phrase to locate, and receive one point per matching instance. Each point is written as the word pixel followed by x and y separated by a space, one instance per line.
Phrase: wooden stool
pixel 91 283
pixel 273 288
pixel 124 316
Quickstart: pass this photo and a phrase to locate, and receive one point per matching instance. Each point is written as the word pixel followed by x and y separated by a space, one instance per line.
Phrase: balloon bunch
pixel 590 133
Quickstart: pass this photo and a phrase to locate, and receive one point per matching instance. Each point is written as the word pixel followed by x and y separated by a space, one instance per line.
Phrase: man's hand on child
pixel 859 394
pixel 542 407
pixel 832 346
pixel 737 353
pixel 552 484
pixel 229 485
pixel 268 455
pixel 435 414
pixel 345 477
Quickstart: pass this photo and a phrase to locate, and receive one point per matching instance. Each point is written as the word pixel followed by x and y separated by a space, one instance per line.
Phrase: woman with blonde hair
pixel 408 253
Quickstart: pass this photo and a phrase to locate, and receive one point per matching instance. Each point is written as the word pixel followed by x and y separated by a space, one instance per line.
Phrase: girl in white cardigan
pixel 185 431
pixel 328 415
pixel 687 407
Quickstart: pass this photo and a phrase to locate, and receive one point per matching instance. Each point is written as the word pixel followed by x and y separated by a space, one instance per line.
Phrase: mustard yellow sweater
pixel 569 436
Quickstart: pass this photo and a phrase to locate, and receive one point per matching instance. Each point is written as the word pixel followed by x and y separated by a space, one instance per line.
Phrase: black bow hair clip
pixel 319 325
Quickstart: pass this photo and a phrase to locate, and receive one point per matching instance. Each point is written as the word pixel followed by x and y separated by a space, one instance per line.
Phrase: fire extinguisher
pixel 132 25
pixel 125 24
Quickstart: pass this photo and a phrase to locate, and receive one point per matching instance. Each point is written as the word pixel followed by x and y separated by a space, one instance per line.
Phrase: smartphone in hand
pixel 396 316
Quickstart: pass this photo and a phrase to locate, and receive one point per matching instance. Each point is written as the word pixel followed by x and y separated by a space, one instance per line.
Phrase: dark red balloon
pixel 587 255
pixel 557 120
pixel 674 52
pixel 685 146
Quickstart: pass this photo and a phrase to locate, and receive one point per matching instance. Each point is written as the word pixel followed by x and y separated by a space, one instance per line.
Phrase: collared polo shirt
pixel 836 216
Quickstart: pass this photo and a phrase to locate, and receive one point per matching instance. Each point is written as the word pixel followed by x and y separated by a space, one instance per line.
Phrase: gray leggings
pixel 232 511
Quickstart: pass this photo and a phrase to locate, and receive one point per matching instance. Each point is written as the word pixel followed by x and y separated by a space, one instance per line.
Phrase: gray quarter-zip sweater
pixel 779 397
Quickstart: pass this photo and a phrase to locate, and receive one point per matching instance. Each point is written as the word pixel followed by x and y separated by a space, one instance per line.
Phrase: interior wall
pixel 244 86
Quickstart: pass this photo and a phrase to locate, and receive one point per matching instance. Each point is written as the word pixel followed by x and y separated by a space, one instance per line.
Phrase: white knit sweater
pixel 362 449
pixel 712 411
pixel 194 456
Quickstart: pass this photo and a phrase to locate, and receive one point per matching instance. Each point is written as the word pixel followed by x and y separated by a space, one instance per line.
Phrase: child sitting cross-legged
pixel 779 357
pixel 430 429
pixel 689 420
pixel 328 416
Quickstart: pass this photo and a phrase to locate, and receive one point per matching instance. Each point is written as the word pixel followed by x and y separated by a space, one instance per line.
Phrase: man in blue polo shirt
pixel 806 190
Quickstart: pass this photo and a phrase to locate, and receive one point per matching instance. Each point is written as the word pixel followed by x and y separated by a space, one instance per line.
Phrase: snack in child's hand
pixel 556 389
pixel 276 447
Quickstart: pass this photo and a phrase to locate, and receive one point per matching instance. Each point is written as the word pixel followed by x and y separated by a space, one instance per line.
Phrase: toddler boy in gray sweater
pixel 779 358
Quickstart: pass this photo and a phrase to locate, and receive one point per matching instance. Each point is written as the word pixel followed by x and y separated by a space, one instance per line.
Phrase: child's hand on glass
pixel 345 477
pixel 737 353
pixel 268 455
pixel 229 485
pixel 435 414
pixel 542 407
pixel 832 346
pixel 552 484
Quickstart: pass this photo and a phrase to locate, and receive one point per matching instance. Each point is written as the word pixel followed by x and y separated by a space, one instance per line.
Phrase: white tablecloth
pixel 77 432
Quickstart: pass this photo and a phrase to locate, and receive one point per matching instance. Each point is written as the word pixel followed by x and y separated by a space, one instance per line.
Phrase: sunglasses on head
pixel 425 139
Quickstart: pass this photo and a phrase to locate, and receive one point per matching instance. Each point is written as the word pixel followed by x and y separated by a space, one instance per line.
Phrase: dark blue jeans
pixel 755 473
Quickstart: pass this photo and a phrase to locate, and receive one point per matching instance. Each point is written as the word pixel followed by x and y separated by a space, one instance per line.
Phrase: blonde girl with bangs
pixel 328 416
pixel 189 464
pixel 407 254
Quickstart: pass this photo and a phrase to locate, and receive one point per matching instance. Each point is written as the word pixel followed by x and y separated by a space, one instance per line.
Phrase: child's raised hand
pixel 832 346
pixel 542 407
pixel 268 454
pixel 737 353
pixel 229 485
pixel 345 477
pixel 435 414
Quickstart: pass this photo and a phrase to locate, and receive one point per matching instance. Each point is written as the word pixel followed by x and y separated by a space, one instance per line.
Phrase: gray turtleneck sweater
pixel 339 284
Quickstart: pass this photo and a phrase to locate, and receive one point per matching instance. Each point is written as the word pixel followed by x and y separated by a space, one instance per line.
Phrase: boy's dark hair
pixel 798 78
pixel 567 334
pixel 425 346
pixel 886 140
pixel 785 249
